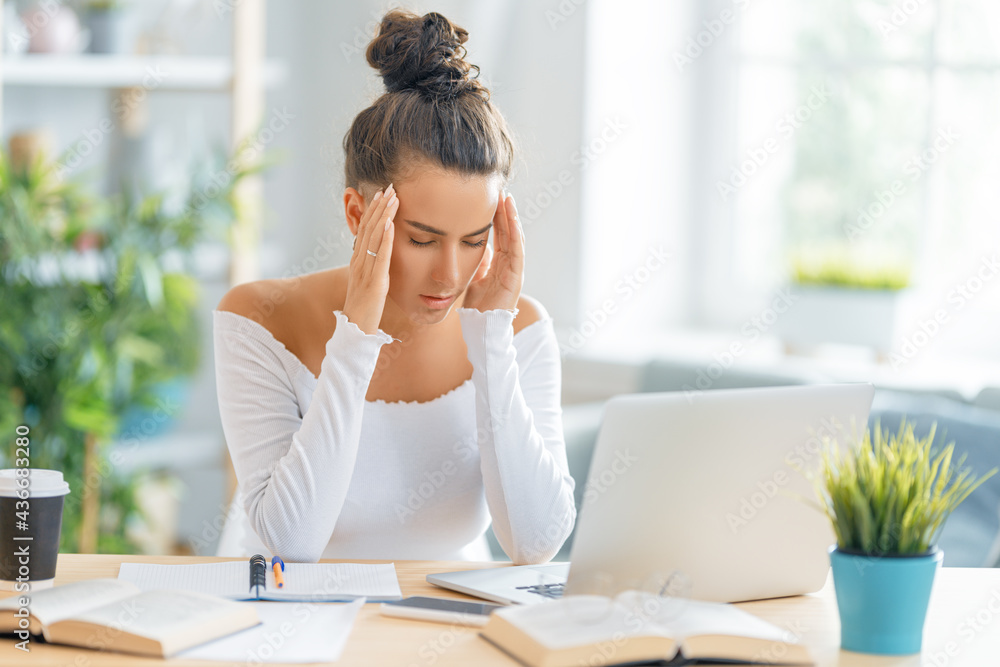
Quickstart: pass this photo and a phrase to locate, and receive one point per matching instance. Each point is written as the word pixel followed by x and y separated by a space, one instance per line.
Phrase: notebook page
pixel 334 580
pixel 230 579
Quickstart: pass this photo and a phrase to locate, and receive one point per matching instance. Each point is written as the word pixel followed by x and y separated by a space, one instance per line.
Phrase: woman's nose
pixel 446 267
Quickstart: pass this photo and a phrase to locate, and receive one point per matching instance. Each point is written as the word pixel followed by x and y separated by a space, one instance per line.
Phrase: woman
pixel 391 408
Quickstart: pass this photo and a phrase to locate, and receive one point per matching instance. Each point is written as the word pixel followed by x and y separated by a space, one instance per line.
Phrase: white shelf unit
pixel 97 71
pixel 243 77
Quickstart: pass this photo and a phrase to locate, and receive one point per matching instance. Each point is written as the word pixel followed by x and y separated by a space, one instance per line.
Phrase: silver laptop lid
pixel 692 494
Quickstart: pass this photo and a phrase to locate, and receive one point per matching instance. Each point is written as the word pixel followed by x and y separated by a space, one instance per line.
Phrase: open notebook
pixel 304 582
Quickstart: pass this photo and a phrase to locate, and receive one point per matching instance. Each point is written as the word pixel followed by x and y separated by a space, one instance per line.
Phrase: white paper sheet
pixel 289 632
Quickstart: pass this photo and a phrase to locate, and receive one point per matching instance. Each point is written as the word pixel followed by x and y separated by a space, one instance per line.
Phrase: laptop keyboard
pixel 545 590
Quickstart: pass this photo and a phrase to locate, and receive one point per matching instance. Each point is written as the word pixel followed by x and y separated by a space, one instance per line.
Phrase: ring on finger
pixel 373 254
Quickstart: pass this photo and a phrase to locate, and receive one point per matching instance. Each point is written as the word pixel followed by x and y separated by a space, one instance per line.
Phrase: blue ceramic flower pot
pixel 883 600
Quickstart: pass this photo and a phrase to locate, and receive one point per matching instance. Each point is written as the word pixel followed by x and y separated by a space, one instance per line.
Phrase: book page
pixel 164 616
pixel 303 581
pixel 683 617
pixel 52 604
pixel 577 620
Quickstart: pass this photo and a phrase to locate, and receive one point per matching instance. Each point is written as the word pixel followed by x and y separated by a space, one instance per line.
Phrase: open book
pixel 115 615
pixel 637 627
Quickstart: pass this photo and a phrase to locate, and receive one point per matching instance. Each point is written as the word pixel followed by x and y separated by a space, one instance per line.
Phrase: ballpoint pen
pixel 275 562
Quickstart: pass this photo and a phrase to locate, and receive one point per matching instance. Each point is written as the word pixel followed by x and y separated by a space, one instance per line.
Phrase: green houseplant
pixel 888 497
pixel 846 297
pixel 98 312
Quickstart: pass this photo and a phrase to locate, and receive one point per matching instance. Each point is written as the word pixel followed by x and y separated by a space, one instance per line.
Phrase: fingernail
pixel 377 196
pixel 389 188
pixel 388 221
pixel 392 200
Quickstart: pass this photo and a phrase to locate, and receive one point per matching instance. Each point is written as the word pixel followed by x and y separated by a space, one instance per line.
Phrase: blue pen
pixel 275 562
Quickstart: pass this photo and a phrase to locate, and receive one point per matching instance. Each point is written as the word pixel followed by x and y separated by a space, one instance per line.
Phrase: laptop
pixel 697 495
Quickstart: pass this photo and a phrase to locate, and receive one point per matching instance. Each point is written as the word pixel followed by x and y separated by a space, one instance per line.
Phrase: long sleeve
pixel 293 469
pixel 522 450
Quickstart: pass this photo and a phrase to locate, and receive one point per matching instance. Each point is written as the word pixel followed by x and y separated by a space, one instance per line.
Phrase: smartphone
pixel 440 610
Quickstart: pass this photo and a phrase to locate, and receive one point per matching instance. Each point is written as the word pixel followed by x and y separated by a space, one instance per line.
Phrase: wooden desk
pixel 963 626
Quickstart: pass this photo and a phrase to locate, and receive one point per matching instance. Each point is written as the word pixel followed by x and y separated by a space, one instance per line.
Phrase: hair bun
pixel 422 53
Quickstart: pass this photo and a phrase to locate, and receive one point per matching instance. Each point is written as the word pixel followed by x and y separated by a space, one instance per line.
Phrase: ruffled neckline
pixel 263 334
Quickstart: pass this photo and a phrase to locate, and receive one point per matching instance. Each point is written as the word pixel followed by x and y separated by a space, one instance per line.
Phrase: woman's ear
pixel 354 207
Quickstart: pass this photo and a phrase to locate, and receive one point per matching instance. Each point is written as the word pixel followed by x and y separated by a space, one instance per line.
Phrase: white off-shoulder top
pixel 325 473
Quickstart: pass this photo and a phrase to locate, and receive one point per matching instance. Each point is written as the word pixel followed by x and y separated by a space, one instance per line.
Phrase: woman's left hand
pixel 497 283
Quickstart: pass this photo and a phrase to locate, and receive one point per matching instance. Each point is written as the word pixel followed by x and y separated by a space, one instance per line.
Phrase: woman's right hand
pixel 368 277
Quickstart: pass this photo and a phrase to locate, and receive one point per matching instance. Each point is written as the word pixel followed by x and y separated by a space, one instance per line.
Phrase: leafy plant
pixel 840 269
pixel 892 496
pixel 99 310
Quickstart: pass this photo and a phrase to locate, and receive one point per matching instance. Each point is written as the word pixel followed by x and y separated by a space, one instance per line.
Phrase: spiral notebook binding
pixel 258 572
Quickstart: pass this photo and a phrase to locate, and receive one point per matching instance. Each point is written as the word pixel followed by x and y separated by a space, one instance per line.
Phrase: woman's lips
pixel 433 302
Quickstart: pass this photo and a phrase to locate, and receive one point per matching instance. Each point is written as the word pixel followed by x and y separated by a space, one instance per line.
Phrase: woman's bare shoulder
pixel 283 305
pixel 529 311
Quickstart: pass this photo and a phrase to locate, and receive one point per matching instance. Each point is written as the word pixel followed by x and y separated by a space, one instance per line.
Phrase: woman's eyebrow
pixel 431 230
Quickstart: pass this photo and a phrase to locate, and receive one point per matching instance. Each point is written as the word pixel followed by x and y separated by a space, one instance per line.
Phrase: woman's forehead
pixel 449 202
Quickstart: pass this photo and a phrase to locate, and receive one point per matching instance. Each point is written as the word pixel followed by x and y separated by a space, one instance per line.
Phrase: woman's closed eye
pixel 479 244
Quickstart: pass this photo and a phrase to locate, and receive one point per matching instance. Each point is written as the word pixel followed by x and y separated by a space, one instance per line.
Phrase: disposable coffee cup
pixel 31 506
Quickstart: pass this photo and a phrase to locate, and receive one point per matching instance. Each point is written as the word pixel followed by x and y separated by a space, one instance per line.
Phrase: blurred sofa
pixel 971 537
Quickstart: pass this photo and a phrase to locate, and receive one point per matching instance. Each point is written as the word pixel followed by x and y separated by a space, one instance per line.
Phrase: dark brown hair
pixel 433 108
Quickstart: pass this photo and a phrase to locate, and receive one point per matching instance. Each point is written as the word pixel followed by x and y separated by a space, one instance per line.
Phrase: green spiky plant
pixel 892 496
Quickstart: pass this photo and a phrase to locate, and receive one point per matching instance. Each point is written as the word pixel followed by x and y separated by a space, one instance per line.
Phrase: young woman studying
pixel 394 407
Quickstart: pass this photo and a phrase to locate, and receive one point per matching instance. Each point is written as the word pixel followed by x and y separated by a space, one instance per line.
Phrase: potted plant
pixel 99 312
pixel 888 498
pixel 110 26
pixel 844 299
